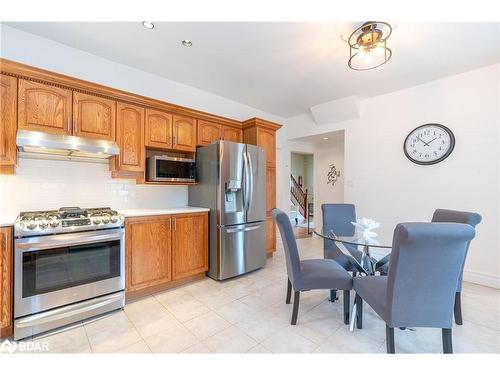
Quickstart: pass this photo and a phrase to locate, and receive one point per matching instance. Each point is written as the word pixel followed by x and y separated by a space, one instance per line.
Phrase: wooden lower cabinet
pixel 189 245
pixel 164 249
pixel 148 251
pixel 6 281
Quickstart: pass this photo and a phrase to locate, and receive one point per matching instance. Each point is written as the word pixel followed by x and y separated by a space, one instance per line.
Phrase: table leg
pixel 353 318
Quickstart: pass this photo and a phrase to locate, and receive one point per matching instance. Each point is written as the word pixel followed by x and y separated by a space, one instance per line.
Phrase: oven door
pixel 57 270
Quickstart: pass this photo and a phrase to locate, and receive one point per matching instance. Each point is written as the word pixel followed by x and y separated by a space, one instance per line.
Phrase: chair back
pixel 451 216
pixel 289 244
pixel 426 262
pixel 337 217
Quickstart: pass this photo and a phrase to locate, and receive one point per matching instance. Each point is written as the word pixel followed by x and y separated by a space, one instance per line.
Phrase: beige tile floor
pixel 248 315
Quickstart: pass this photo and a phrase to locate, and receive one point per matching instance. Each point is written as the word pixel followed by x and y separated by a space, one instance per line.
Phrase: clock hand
pixel 426 144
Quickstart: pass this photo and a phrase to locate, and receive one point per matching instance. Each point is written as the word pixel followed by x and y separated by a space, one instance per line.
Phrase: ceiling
pixel 281 68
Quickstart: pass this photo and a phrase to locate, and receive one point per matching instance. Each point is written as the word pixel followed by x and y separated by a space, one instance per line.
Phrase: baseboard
pixel 482 279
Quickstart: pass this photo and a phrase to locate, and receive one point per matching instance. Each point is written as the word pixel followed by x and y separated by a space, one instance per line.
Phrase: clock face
pixel 429 144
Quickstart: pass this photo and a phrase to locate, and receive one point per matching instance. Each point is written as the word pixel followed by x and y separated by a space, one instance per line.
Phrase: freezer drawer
pixel 242 249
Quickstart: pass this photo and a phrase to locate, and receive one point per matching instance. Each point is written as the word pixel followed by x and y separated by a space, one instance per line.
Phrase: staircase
pixel 299 197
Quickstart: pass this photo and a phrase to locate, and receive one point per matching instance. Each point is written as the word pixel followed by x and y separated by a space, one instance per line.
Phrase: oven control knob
pixel 54 223
pixel 114 219
pixel 105 219
pixel 43 224
pixel 31 224
pixel 96 220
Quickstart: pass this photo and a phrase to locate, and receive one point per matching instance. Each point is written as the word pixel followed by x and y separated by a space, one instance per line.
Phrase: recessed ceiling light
pixel 325 138
pixel 187 43
pixel 148 24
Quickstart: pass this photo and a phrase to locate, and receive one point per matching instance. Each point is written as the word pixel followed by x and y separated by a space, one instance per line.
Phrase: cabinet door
pixel 208 132
pixel 189 245
pixel 44 108
pixel 270 190
pixel 5 281
pixel 184 133
pixel 8 123
pixel 130 137
pixel 270 235
pixel 266 138
pixel 158 129
pixel 232 134
pixel 148 251
pixel 93 117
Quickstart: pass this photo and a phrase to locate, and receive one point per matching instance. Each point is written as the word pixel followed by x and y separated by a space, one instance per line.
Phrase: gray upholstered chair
pixel 450 216
pixel 419 291
pixel 338 217
pixel 309 274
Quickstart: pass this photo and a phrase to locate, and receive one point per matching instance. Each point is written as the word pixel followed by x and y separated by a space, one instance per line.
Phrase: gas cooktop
pixel 66 219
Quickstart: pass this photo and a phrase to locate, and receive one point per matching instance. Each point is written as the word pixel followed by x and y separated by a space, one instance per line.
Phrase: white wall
pixel 324 155
pixel 387 187
pixel 42 185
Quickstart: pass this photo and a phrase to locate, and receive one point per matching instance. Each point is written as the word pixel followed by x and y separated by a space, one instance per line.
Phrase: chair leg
pixel 447 342
pixel 458 308
pixel 359 311
pixel 288 292
pixel 347 302
pixel 389 338
pixel 333 295
pixel 296 299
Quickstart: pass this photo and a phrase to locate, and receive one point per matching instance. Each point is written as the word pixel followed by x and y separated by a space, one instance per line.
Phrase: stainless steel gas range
pixel 69 265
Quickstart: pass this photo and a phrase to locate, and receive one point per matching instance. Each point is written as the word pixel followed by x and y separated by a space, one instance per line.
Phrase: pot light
pixel 148 24
pixel 368 46
pixel 187 43
pixel 325 138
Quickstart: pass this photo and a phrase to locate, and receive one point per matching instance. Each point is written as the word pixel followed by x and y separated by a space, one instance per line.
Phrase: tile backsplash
pixel 50 184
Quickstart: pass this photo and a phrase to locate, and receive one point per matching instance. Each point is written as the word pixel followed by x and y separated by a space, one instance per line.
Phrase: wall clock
pixel 429 144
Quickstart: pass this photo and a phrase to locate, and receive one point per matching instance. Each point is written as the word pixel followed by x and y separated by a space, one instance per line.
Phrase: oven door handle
pixel 68 311
pixel 58 241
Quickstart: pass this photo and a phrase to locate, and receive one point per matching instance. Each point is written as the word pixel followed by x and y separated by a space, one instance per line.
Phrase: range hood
pixel 32 143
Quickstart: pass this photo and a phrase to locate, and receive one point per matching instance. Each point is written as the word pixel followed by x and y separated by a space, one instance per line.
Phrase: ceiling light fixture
pixel 148 24
pixel 368 46
pixel 325 138
pixel 187 43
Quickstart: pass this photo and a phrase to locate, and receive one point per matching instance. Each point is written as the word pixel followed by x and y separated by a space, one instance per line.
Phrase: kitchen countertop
pixel 7 221
pixel 133 212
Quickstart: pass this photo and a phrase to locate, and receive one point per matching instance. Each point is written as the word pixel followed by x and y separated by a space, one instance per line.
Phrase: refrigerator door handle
pixel 247 182
pixel 246 229
pixel 250 174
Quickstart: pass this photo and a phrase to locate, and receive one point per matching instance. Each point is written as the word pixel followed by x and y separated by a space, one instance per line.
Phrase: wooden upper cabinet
pixel 208 132
pixel 148 251
pixel 93 117
pixel 130 137
pixel 184 133
pixel 158 129
pixel 5 281
pixel 267 140
pixel 189 245
pixel 8 123
pixel 232 134
pixel 44 108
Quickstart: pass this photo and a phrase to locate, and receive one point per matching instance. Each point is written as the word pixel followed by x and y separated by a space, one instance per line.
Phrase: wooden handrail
pixel 299 195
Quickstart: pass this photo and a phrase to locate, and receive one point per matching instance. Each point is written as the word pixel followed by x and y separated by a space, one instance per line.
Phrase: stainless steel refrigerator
pixel 232 183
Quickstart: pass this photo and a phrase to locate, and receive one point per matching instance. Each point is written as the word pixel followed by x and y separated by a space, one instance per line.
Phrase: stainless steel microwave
pixel 171 169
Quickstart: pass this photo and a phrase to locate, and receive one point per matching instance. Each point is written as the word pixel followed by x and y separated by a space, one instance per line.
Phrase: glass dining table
pixel 368 254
